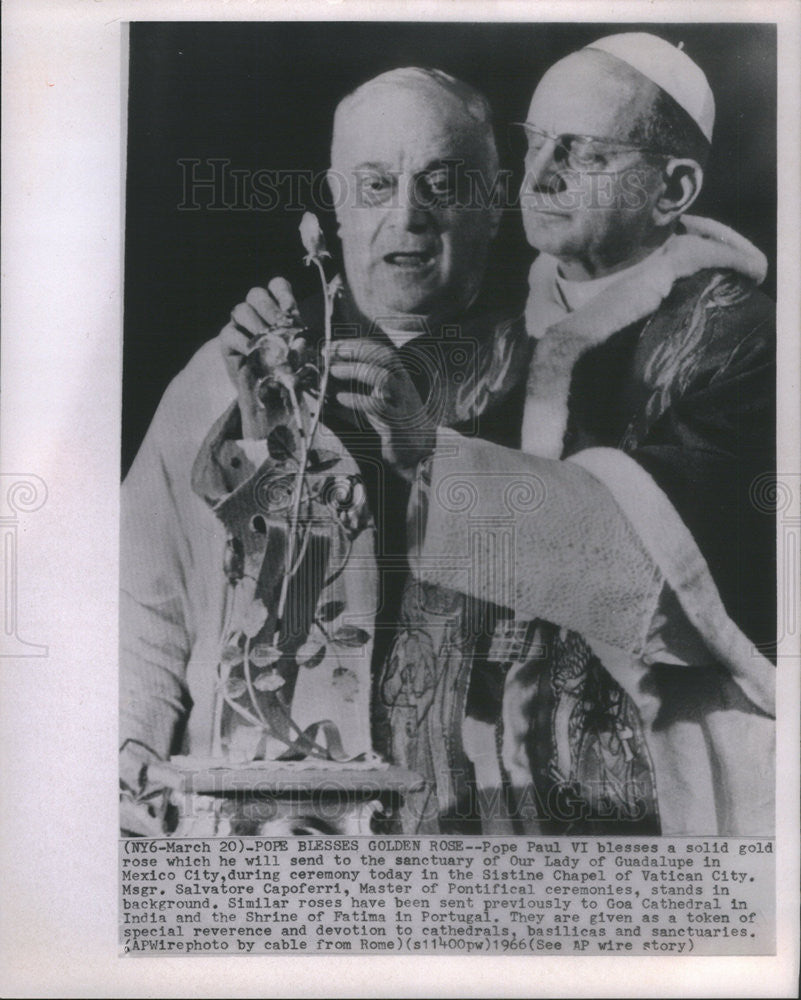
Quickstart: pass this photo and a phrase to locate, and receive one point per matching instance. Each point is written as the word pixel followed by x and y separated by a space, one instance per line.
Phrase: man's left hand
pixel 370 380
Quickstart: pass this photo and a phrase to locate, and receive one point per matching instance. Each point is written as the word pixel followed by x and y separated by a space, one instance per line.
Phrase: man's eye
pixel 440 182
pixel 583 155
pixel 375 186
pixel 437 186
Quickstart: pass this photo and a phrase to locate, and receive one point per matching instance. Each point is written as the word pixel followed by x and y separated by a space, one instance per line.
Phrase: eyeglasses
pixel 581 153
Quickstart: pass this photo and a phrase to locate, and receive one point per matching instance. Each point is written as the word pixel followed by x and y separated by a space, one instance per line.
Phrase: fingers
pixel 246 351
pixel 359 373
pixel 249 320
pixel 264 306
pixel 270 307
pixel 362 365
pixel 360 402
pixel 281 291
pixel 234 341
pixel 365 351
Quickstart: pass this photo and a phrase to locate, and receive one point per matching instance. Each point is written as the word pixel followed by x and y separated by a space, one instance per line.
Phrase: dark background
pixel 263 95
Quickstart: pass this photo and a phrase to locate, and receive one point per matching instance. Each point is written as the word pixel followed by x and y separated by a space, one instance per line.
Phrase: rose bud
pixel 311 236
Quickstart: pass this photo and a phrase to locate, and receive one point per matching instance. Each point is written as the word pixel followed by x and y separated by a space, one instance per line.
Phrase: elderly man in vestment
pixel 620 561
pixel 252 619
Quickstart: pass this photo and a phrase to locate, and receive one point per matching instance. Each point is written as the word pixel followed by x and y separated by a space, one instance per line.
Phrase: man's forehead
pixel 391 123
pixel 587 94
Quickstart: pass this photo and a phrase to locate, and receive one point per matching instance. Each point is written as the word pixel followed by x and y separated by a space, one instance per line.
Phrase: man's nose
pixel 543 171
pixel 412 213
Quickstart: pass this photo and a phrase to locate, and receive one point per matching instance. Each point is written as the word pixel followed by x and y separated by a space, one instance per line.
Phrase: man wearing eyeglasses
pixel 613 160
pixel 630 688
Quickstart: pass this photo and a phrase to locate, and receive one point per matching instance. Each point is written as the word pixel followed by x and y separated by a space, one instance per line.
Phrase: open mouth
pixel 546 211
pixel 409 259
pixel 543 206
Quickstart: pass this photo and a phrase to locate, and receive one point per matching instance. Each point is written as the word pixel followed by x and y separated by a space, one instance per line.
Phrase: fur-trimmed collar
pixel 563 337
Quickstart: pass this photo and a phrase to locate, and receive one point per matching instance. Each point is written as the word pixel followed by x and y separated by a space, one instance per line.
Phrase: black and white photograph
pixel 458 359
pixel 400 499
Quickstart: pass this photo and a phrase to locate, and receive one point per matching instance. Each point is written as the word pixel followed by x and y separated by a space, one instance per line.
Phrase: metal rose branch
pixel 254 658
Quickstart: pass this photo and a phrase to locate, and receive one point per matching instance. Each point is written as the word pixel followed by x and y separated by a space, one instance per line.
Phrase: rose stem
pixel 249 682
pixel 307 439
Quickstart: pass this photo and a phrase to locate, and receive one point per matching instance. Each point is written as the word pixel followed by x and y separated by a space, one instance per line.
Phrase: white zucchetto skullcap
pixel 669 68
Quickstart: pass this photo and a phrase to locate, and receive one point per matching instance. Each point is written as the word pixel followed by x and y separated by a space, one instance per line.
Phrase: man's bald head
pixel 645 114
pixel 414 90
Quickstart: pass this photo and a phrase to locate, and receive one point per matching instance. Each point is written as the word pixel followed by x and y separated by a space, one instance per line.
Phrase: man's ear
pixel 681 184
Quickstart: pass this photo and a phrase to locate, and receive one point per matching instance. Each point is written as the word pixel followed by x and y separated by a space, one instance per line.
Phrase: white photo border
pixel 64 114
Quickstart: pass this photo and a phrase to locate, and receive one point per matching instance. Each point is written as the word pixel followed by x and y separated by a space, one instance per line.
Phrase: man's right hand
pixel 263 311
